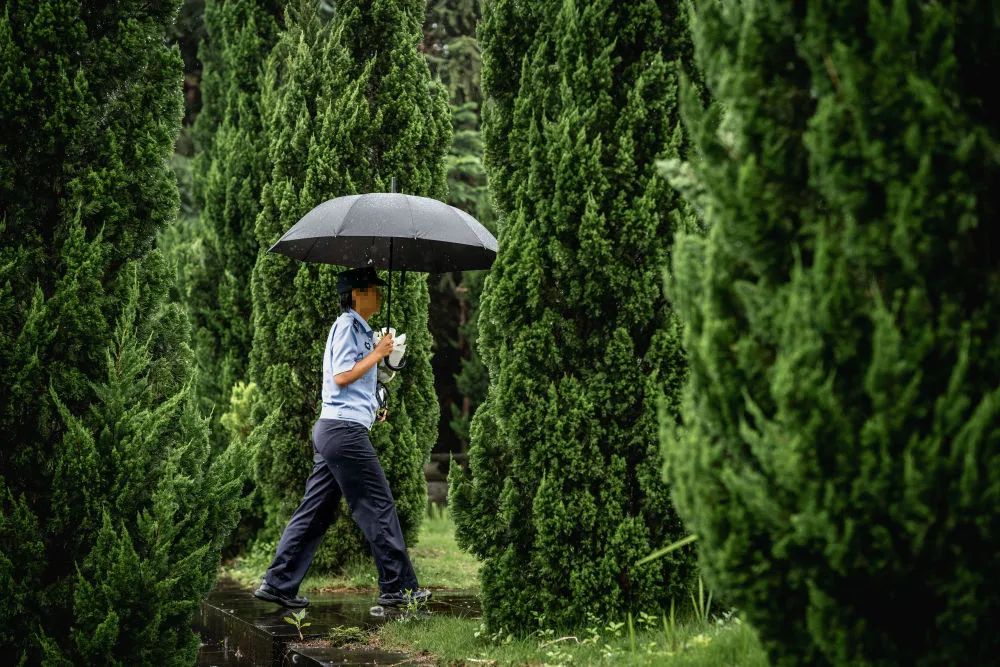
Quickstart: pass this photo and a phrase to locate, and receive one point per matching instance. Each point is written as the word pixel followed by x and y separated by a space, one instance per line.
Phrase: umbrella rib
pixel 413 227
pixel 348 214
pixel 305 258
pixel 471 228
pixel 347 217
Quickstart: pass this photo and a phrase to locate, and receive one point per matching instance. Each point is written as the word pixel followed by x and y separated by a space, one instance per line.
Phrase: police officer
pixel 344 460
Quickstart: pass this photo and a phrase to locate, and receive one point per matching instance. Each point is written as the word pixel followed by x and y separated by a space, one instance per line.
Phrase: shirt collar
pixel 364 323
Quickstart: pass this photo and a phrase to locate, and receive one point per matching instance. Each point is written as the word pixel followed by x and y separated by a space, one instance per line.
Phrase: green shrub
pixel 111 517
pixel 566 494
pixel 229 171
pixel 839 455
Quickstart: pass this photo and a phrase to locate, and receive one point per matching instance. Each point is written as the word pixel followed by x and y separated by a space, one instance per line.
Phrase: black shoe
pixel 402 599
pixel 272 594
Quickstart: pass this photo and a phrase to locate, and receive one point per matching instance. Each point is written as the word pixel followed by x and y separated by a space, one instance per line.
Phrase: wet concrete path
pixel 238 629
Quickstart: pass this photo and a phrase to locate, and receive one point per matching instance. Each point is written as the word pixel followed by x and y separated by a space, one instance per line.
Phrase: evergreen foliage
pixel 229 171
pixel 473 379
pixel 451 48
pixel 212 247
pixel 187 31
pixel 467 191
pixel 111 518
pixel 579 341
pixel 839 454
pixel 452 52
pixel 347 105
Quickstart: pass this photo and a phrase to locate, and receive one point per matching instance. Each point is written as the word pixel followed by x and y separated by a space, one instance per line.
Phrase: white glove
pixel 398 347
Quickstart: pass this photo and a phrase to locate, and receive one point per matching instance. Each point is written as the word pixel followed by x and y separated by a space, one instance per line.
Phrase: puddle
pixel 214 653
pixel 337 656
pixel 238 629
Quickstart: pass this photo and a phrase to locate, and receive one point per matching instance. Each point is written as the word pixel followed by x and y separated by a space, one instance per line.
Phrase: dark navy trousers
pixel 344 463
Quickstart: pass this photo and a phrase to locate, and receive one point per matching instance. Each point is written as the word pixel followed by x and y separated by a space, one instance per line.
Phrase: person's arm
pixel 344 372
pixel 344 349
pixel 360 368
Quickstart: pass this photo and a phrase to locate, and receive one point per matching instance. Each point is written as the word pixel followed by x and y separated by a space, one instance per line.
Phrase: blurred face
pixel 368 299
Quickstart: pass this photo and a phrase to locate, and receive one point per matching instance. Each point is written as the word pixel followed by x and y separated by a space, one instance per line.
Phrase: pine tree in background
pixel 839 457
pixel 212 248
pixel 231 168
pixel 188 31
pixel 111 518
pixel 566 492
pixel 348 104
pixel 183 242
pixel 215 35
pixel 451 48
pixel 473 380
pixel 452 52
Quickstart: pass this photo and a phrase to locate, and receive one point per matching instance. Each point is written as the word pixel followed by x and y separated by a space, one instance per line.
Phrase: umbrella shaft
pixel 388 316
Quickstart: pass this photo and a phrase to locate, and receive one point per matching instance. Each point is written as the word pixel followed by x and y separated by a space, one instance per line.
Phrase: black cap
pixel 361 277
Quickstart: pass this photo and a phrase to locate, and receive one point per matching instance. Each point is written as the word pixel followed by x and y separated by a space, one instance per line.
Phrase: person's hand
pixel 385 346
pixel 383 413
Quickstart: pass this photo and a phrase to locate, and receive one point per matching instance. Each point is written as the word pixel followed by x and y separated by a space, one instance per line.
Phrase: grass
pixel 436 558
pixel 445 640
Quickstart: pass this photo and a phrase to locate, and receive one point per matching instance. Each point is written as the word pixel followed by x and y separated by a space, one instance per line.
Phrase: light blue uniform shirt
pixel 350 340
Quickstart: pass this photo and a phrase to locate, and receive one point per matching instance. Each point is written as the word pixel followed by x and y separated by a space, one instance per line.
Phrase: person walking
pixel 344 461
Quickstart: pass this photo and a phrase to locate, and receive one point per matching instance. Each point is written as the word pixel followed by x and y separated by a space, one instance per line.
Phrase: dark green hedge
pixel 839 460
pixel 111 517
pixel 565 494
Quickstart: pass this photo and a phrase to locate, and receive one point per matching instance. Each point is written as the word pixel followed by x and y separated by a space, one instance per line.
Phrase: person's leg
pixel 354 463
pixel 306 528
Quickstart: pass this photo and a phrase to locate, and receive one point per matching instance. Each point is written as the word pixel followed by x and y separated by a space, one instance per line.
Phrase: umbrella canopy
pixel 387 230
pixel 390 230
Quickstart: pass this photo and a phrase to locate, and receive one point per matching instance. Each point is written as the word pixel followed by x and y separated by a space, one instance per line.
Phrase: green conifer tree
pixel 212 248
pixel 452 52
pixel 232 168
pixel 574 328
pixel 451 48
pixel 111 518
pixel 839 456
pixel 348 104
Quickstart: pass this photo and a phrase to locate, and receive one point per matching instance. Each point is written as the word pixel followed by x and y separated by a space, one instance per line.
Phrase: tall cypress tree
pixel 230 171
pixel 348 104
pixel 839 457
pixel 212 85
pixel 578 338
pixel 452 52
pixel 451 49
pixel 111 519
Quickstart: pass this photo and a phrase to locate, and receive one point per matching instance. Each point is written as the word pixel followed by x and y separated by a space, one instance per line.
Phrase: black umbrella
pixel 390 229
